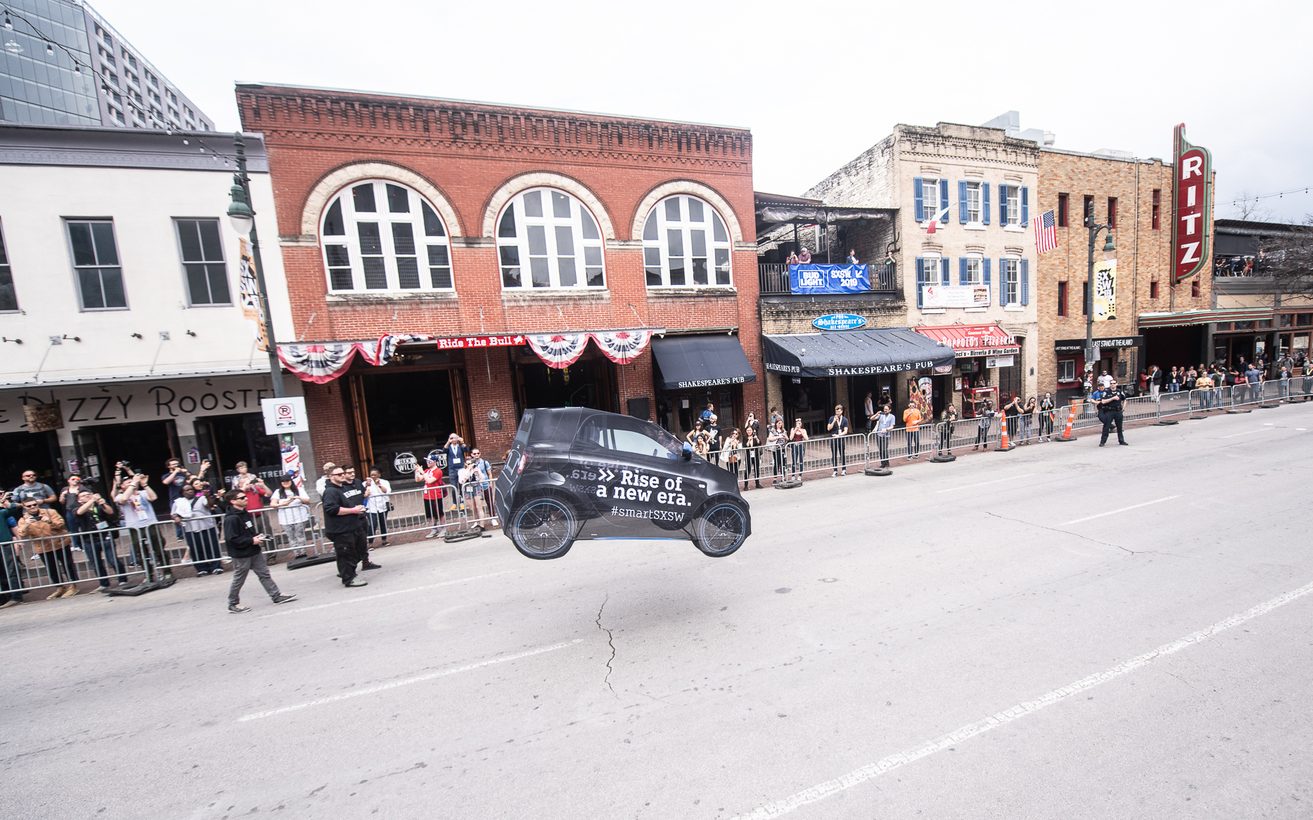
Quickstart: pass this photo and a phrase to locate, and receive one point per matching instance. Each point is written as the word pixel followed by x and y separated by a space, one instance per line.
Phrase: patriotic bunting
pixel 558 350
pixel 622 346
pixel 318 363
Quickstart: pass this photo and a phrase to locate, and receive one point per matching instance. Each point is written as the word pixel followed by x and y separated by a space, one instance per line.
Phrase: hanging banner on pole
pixel 1105 290
pixel 1192 207
pixel 248 290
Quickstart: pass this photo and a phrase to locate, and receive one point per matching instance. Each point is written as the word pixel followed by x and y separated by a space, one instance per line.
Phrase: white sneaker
pixel 433 533
pixel 494 523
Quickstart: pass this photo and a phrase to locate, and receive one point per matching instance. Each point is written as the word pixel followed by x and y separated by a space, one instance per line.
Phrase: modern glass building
pixel 61 63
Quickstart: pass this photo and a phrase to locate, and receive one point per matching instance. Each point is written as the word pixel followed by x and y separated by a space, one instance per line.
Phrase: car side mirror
pixel 687 450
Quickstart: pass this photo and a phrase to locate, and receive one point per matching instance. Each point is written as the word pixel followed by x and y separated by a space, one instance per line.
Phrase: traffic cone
pixel 1071 419
pixel 1003 443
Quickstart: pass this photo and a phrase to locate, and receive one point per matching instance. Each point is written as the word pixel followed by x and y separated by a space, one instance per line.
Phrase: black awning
pixel 856 353
pixel 701 361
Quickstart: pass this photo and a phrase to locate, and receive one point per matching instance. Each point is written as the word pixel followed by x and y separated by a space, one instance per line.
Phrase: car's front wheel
pixel 543 527
pixel 721 528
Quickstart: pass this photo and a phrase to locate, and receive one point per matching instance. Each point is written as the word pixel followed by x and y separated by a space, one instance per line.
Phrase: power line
pixel 51 44
pixel 1277 195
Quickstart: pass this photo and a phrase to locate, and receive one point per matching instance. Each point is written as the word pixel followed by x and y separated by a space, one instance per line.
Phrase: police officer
pixel 1110 411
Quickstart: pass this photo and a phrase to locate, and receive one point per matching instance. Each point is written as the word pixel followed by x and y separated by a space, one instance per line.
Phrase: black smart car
pixel 578 473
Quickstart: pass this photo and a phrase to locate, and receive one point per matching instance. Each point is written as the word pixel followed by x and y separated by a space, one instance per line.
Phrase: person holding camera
pixel 430 475
pixel 378 504
pixel 95 519
pixel 246 549
pixel 192 512
pixel 293 505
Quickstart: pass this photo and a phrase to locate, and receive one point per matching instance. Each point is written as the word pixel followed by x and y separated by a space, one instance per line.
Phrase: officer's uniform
pixel 1111 412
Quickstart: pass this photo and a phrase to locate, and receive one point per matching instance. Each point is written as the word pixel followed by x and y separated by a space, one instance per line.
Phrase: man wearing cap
pixel 245 546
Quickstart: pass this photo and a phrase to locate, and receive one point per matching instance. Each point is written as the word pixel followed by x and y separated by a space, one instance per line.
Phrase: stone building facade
pixel 440 238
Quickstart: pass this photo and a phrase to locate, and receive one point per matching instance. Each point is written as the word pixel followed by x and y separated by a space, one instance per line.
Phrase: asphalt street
pixel 1061 631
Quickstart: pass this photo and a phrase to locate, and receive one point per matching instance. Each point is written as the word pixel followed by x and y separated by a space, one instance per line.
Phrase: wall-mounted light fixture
pixel 191 333
pixel 136 335
pixel 7 339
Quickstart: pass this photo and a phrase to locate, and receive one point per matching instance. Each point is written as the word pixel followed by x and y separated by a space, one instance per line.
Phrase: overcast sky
pixel 816 82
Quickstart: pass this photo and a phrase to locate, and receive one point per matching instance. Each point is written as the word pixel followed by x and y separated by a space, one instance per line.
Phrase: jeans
pixel 1025 427
pixel 882 445
pixel 913 442
pixel 777 459
pixel 204 548
pixel 945 436
pixel 982 432
pixel 838 454
pixel 378 525
pixel 148 549
pixel 11 574
pixel 260 567
pixel 751 466
pixel 796 450
pixel 1046 424
pixel 102 556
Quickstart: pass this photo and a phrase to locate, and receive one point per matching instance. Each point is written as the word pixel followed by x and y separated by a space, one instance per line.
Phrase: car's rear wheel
pixel 721 528
pixel 543 528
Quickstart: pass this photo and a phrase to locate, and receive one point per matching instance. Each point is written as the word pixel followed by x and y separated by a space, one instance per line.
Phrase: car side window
pixel 628 439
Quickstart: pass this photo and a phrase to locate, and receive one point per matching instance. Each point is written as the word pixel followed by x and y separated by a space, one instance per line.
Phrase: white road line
pixel 983 483
pixel 1122 510
pixel 1016 712
pixel 383 687
pixel 1247 433
pixel 293 609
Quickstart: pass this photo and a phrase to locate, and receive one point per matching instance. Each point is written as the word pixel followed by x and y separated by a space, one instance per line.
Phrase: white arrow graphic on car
pixel 606 474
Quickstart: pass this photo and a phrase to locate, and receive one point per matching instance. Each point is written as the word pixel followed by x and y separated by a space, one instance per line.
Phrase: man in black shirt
pixel 1110 411
pixel 344 525
pixel 244 544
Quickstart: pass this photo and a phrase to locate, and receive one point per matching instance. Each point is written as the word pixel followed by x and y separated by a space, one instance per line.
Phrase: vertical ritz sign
pixel 1191 206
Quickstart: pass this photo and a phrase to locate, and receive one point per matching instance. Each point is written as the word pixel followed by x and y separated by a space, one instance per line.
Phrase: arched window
pixel 548 239
pixel 685 244
pixel 380 236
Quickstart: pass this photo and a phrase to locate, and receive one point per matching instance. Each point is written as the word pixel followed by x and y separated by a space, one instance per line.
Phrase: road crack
pixel 1061 531
pixel 610 640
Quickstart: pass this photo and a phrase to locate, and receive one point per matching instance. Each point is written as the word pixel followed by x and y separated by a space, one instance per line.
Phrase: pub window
pixel 1153 290
pixel 1062 210
pixel 685 243
pixel 1066 370
pixel 548 239
pixel 1157 208
pixel 381 236
pixel 1062 298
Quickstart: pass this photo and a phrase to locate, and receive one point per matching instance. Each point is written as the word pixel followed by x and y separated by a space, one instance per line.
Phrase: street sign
pixel 285 415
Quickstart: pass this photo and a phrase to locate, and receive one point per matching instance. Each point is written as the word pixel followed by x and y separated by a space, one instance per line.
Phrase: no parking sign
pixel 285 415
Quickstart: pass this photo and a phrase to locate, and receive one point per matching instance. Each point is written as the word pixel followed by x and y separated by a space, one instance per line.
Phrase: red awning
pixel 973 340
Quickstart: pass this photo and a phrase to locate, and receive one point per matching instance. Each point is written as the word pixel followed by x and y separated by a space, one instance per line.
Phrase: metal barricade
pixel 70 561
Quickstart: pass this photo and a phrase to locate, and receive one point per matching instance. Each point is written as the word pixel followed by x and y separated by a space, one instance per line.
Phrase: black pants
pixel 945 437
pixel 1111 418
pixel 913 442
pixel 101 555
pixel 59 565
pixel 378 525
pixel 982 433
pixel 751 466
pixel 777 459
pixel 882 444
pixel 350 549
pixel 838 452
pixel 1046 424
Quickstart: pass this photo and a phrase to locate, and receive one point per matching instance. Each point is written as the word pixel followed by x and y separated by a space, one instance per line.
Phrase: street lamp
pixel 242 217
pixel 1108 247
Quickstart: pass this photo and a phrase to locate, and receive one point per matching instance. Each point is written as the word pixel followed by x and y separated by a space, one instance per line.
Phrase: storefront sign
pixel 954 296
pixel 973 341
pixel 42 418
pixel 710 383
pixel 248 293
pixel 137 401
pixel 1000 361
pixel 839 321
pixel 404 463
pixel 285 415
pixel 1077 345
pixel 1191 197
pixel 811 278
pixel 874 369
pixel 1105 290
pixel 474 342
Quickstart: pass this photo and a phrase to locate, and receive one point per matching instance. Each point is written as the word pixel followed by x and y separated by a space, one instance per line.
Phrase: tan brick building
pixel 1132 196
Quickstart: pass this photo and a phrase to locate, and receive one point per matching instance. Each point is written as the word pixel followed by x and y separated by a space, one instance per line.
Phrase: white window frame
pixel 1011 275
pixel 1066 370
pixel 7 271
pixel 975 270
pixel 975 203
pixel 1013 194
pixel 930 203
pixel 101 269
pixel 513 251
pixel 385 218
pixel 202 262
pixel 686 227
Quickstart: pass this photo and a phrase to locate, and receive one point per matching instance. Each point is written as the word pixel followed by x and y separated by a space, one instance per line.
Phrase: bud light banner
pixel 829 279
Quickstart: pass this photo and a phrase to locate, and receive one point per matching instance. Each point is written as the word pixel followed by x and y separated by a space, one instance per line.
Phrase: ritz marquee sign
pixel 1191 207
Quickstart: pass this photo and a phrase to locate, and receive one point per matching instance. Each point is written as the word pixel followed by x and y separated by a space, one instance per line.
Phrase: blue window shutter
pixel 1002 206
pixel 962 202
pixel 984 203
pixel 1002 283
pixel 943 271
pixel 962 274
pixel 1025 279
pixel 1025 210
pixel 920 276
pixel 918 208
pixel 984 270
pixel 943 201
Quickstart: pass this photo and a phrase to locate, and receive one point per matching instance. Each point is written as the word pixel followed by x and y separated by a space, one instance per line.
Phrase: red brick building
pixel 513 258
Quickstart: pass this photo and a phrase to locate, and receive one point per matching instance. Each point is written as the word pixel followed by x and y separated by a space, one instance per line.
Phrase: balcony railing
pixel 774 279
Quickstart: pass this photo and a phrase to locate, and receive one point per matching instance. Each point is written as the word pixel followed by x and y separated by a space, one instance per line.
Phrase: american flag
pixel 1046 232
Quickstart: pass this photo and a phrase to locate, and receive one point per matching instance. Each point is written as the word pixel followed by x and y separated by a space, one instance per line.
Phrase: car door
pixel 642 485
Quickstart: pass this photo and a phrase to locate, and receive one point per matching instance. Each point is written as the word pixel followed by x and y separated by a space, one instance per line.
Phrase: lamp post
pixel 1108 247
pixel 243 221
